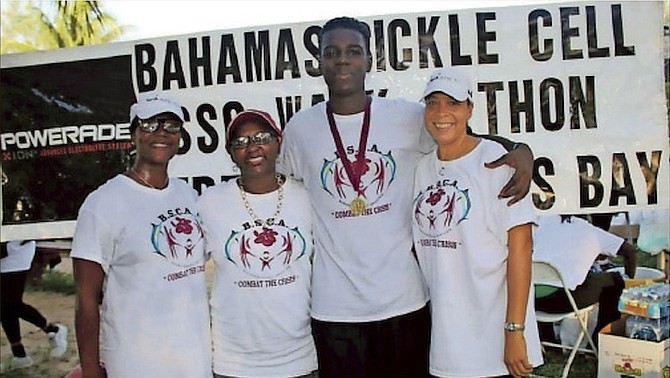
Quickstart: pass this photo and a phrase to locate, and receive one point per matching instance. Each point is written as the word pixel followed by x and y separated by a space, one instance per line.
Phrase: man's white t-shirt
pixel 154 315
pixel 364 268
pixel 572 246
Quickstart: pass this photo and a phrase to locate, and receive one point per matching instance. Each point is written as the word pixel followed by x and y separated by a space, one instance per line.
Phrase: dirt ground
pixel 57 308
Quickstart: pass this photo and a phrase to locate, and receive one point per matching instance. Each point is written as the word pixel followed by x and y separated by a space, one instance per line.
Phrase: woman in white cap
pixel 138 253
pixel 259 234
pixel 473 249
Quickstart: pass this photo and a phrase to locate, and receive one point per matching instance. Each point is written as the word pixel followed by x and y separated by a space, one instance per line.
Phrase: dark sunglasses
pixel 172 126
pixel 263 137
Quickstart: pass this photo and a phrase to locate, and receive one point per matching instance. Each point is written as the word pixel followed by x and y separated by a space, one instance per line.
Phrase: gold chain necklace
pixel 147 183
pixel 247 205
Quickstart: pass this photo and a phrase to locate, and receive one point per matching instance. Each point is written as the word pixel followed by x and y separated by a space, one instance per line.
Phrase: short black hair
pixel 347 23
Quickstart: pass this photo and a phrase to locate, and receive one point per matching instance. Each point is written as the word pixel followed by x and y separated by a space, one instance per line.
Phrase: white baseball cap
pixel 450 82
pixel 152 103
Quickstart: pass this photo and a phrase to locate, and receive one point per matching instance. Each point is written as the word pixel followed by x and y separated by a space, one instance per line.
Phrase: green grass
pixel 645 259
pixel 53 281
pixel 554 360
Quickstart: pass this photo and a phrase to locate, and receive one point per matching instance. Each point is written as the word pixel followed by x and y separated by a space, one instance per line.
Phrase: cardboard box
pixel 619 356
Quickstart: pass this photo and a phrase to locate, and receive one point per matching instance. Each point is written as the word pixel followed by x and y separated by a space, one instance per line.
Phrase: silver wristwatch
pixel 514 327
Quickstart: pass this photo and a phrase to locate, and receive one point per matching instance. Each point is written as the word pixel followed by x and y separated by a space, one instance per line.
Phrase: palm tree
pixel 30 25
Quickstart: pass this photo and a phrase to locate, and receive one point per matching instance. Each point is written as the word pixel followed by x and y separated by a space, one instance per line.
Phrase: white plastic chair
pixel 545 274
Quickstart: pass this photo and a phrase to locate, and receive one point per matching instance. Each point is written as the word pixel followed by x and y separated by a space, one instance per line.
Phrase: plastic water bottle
pixel 651 301
pixel 648 329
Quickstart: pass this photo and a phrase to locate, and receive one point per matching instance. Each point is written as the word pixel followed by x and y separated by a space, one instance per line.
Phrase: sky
pixel 149 19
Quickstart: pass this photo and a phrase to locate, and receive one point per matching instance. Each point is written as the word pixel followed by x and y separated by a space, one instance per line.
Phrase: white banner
pixel 582 83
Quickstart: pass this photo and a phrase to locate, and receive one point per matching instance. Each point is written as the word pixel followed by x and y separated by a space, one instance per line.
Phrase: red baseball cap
pixel 252 115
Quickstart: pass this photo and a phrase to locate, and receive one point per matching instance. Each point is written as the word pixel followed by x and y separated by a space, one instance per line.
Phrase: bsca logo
pixel 437 210
pixel 265 251
pixel 179 239
pixel 377 172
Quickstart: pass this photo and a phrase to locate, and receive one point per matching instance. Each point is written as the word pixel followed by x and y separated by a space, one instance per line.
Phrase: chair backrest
pixel 545 274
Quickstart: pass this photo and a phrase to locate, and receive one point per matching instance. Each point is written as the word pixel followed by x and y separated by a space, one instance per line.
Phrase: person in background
pixel 572 244
pixel 139 262
pixel 17 257
pixel 356 156
pixel 258 229
pixel 473 249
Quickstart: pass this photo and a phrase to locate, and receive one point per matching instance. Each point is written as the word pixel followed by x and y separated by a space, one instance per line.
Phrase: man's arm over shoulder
pixel 520 157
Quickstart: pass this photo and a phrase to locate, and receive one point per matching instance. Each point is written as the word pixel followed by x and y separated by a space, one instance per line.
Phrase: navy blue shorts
pixel 394 347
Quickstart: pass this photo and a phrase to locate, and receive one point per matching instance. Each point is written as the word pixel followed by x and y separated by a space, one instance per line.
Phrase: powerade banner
pixel 582 83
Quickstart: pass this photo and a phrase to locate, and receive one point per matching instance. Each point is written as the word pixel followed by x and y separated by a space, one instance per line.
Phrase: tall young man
pixel 356 156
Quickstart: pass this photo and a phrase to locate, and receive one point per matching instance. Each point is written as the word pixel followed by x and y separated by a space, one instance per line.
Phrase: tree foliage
pixel 45 25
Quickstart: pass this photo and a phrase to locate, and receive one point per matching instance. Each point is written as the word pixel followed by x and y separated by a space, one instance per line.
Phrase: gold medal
pixel 357 206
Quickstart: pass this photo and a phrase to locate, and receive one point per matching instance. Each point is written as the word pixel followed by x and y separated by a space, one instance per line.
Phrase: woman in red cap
pixel 259 234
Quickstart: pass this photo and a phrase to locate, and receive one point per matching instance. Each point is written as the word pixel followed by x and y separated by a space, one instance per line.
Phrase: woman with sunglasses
pixel 258 231
pixel 138 255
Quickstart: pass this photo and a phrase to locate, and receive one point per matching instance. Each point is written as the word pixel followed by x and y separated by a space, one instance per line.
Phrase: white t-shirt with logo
pixel 364 268
pixel 154 315
pixel 261 293
pixel 460 232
